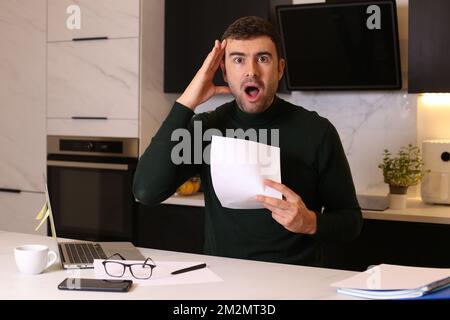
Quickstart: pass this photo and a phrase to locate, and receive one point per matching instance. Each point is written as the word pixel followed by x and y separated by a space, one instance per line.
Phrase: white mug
pixel 34 258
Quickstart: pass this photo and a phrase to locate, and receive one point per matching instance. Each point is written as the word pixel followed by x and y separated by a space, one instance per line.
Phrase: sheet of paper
pixel 238 168
pixel 162 273
pixel 393 277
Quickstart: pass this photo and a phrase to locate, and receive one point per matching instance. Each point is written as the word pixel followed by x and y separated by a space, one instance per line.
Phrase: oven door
pixel 91 197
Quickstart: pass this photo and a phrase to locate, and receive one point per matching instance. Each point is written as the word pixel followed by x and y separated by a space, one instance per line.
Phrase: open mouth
pixel 252 92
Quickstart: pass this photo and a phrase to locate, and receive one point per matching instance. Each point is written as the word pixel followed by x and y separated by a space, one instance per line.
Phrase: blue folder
pixel 440 294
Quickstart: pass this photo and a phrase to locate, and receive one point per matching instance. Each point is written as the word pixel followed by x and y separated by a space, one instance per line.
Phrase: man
pixel 319 202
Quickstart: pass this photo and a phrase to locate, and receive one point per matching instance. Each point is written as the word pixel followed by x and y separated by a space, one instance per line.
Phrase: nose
pixel 252 69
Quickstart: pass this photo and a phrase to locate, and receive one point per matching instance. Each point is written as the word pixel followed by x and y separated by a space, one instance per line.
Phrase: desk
pixel 243 279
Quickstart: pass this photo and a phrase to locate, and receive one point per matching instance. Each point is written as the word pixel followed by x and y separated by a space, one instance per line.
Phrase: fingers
pixel 290 195
pixel 222 90
pixel 220 54
pixel 283 217
pixel 216 56
pixel 274 202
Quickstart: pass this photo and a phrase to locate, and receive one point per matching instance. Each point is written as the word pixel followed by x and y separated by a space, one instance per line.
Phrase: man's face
pixel 252 70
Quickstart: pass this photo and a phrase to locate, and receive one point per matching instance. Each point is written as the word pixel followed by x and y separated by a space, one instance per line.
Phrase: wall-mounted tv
pixel 341 46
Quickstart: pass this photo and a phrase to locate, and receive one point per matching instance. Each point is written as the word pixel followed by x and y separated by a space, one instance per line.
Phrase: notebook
pixel 387 281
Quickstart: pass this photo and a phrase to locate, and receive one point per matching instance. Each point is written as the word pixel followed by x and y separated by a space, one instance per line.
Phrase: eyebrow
pixel 262 53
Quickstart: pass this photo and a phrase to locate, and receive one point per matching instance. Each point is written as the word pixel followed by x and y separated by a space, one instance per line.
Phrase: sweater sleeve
pixel 341 218
pixel 157 176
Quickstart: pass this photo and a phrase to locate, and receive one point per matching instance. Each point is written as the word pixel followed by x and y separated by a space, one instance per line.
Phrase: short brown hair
pixel 250 27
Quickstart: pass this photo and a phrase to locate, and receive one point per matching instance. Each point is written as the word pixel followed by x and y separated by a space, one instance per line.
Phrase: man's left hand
pixel 290 212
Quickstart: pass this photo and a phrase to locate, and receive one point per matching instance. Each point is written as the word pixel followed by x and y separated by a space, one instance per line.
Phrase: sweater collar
pixel 258 118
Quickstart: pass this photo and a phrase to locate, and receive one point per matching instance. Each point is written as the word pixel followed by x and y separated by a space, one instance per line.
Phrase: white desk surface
pixel 243 279
pixel 416 211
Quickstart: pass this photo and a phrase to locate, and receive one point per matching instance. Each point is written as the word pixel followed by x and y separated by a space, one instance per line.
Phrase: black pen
pixel 199 266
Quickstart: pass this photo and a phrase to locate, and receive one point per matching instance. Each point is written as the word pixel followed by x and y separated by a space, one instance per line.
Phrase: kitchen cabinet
pixel 393 242
pixel 429 44
pixel 170 227
pixel 181 228
pixel 22 112
pixel 97 79
pixel 69 19
pixel 113 86
pixel 93 73
pixel 93 127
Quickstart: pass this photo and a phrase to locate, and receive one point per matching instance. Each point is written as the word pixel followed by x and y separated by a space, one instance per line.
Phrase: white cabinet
pixel 93 128
pixel 92 18
pixel 93 72
pixel 18 212
pixel 96 79
pixel 22 94
pixel 22 110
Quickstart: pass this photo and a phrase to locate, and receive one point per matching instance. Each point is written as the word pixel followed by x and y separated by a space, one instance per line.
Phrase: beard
pixel 266 94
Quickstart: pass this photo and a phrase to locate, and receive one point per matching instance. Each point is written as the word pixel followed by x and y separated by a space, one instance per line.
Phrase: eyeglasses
pixel 138 270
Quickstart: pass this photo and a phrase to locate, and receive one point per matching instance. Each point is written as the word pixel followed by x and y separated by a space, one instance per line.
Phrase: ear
pixel 281 66
pixel 224 71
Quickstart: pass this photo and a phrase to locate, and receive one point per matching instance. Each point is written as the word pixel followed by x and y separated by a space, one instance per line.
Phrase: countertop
pixel 242 279
pixel 416 210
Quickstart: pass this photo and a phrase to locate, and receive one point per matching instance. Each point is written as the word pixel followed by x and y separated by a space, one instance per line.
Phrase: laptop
pixel 81 254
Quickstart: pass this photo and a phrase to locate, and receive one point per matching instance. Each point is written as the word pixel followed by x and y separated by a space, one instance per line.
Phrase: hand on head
pixel 202 87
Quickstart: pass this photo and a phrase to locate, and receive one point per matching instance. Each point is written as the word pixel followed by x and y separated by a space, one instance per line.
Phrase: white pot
pixel 397 201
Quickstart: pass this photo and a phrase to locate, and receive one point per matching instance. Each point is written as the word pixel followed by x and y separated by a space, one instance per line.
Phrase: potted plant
pixel 401 172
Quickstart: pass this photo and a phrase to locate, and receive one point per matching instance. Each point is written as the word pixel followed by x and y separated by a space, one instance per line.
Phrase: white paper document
pixel 387 281
pixel 238 168
pixel 161 275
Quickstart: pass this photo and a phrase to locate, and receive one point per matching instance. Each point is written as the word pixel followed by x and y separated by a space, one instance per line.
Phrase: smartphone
pixel 95 285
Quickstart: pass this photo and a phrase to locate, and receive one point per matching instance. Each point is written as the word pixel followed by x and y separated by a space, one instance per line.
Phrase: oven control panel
pixel 91 146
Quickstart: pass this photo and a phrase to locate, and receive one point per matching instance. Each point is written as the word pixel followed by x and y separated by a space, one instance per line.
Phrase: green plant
pixel 404 170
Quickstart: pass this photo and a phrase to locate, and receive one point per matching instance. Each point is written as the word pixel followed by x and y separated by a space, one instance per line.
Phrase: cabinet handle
pixel 88 165
pixel 89 118
pixel 89 38
pixel 7 190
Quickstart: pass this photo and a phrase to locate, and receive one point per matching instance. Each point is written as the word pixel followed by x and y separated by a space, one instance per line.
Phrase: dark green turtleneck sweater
pixel 313 164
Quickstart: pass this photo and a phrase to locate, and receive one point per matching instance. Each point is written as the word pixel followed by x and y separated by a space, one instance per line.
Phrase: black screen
pixel 341 46
pixel 95 285
pixel 191 27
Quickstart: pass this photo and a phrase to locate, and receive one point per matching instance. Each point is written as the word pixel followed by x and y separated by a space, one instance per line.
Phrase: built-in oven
pixel 90 185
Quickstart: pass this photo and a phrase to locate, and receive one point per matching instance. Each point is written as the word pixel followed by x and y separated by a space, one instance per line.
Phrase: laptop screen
pixel 52 223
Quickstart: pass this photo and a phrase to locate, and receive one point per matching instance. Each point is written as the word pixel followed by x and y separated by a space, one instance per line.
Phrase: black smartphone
pixel 95 285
